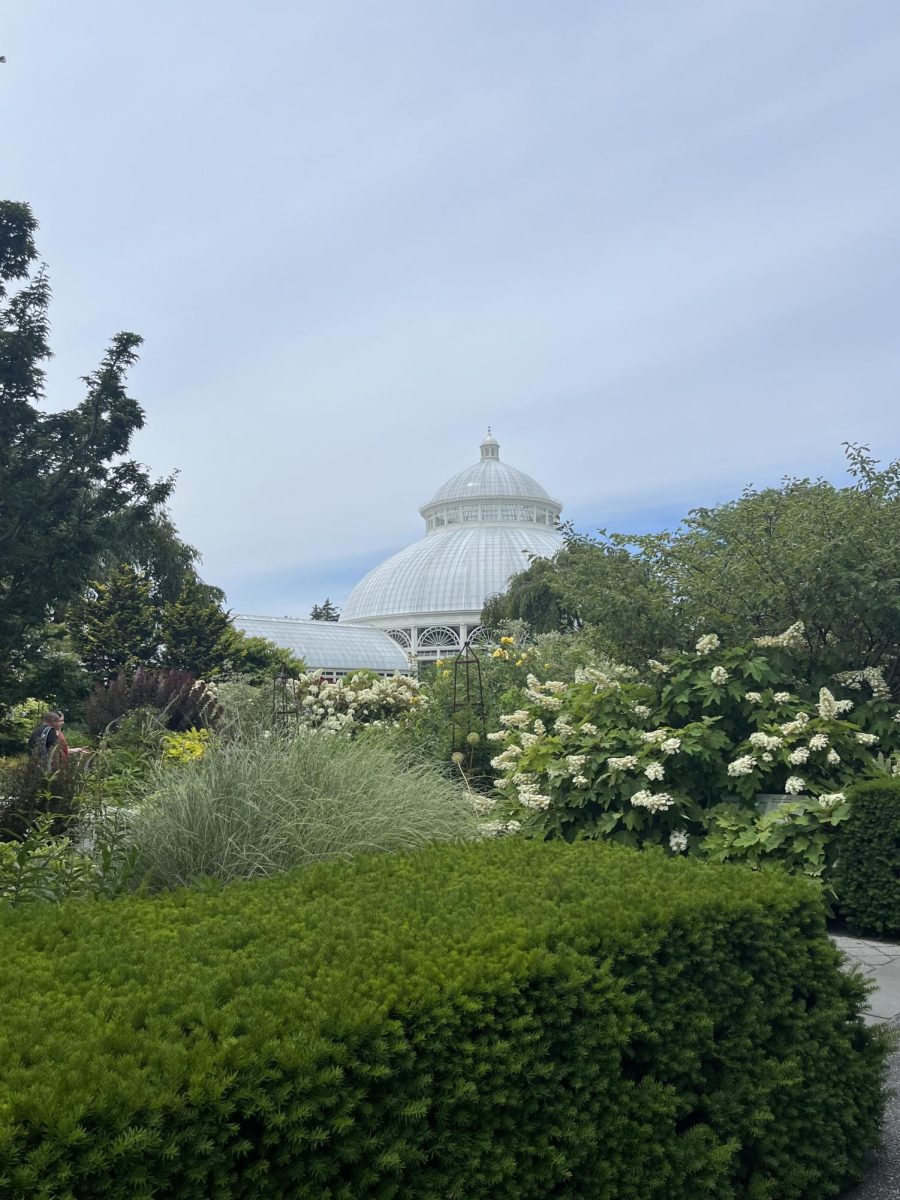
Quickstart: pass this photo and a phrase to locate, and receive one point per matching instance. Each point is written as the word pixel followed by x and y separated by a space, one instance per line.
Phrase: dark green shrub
pixel 27 792
pixel 508 1019
pixel 182 700
pixel 867 874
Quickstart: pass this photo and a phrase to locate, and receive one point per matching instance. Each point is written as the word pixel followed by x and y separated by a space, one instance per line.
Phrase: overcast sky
pixel 655 245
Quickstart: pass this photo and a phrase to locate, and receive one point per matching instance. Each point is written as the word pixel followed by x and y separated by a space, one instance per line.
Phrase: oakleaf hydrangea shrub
pixel 867 873
pixel 360 699
pixel 507 1020
pixel 644 759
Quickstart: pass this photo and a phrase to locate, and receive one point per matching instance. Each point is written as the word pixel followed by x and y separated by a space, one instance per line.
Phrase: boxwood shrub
pixel 504 1020
pixel 867 872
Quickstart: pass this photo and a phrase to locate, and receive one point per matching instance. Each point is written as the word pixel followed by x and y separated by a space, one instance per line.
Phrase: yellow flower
pixel 519 661
pixel 438 662
pixel 446 674
pixel 507 641
pixel 496 654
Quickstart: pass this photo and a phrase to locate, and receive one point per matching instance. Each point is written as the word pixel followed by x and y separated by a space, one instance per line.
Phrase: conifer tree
pixel 325 612
pixel 114 627
pixel 195 631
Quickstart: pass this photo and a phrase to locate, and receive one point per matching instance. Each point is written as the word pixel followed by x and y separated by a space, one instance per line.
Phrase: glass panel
pixel 489 512
pixel 508 512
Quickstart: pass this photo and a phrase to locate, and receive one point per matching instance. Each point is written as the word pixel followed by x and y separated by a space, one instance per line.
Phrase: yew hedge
pixel 867 872
pixel 504 1020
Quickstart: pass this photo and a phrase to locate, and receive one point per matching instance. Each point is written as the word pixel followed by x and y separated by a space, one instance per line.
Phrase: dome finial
pixel 490 447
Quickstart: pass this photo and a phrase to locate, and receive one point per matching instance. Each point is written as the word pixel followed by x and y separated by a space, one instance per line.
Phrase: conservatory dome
pixel 481 527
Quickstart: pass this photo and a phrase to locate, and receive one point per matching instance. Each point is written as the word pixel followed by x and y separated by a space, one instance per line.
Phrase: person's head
pixel 54 718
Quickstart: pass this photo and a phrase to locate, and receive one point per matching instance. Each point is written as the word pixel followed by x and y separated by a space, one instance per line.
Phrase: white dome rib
pixel 454 570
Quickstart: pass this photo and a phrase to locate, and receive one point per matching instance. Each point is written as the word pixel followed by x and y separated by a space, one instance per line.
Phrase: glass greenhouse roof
pixel 326 645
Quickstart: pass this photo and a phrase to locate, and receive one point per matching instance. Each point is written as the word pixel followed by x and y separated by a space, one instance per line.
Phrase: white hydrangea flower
pixel 791 639
pixel 766 757
pixel 719 676
pixel 654 770
pixel 657 667
pixel 818 741
pixel 873 676
pixel 655 735
pixel 671 745
pixel 866 739
pixel 530 797
pixel 627 762
pixel 589 729
pixel 653 801
pixel 799 756
pixel 794 785
pixel 753 697
pixel 563 730
pixel 642 710
pixel 843 706
pixel 516 720
pixel 828 708
pixel 782 697
pixel 764 741
pixel 707 643
pixel 539 727
pixel 580 780
pixel 678 841
pixel 745 765
pixel 575 762
pixel 833 757
pixel 897 717
pixel 830 799
pixel 500 735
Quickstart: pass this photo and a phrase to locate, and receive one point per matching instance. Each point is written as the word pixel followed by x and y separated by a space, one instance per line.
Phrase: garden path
pixel 881 962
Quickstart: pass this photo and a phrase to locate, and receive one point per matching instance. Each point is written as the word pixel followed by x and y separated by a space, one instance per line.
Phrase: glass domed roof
pixel 482 525
pixel 489 477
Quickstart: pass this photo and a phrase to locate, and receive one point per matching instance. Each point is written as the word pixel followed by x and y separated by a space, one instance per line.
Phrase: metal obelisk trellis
pixel 285 709
pixel 468 704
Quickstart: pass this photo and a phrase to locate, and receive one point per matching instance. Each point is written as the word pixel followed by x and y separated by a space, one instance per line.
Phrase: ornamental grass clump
pixel 497 1021
pixel 266 804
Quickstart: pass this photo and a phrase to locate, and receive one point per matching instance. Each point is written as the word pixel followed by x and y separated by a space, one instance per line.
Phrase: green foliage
pixel 180 700
pixel 269 803
pixel 639 761
pixel 194 630
pixel 43 866
pixel 325 611
pixel 256 660
pixel 806 552
pixel 17 722
pixel 533 598
pixel 65 476
pixel 186 747
pixel 114 625
pixel 27 793
pixel 504 1021
pixel 801 836
pixel 867 875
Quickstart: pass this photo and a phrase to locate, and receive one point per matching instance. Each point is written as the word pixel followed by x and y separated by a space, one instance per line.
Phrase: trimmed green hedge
pixel 503 1020
pixel 867 872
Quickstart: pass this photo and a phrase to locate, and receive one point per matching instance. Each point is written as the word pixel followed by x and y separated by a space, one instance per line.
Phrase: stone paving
pixel 881 962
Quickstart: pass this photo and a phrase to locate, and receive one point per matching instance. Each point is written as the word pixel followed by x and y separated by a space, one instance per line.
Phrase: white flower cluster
pixel 719 676
pixel 641 710
pixel 563 730
pixel 794 785
pixel 828 709
pixel 745 765
pixel 355 700
pixel 753 697
pixel 873 676
pixel 655 735
pixel 507 758
pixel 575 762
pixel 792 728
pixel 627 762
pixel 792 638
pixel 831 799
pixel 499 828
pixel 654 770
pixel 818 741
pixel 866 739
pixel 500 735
pixel 545 695
pixel 671 745
pixel 707 643
pixel 764 741
pixel 678 841
pixel 653 801
pixel 530 797
pixel 799 756
pixel 589 729
pixel 832 758
pixel 657 667
pixel 782 697
pixel 519 719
